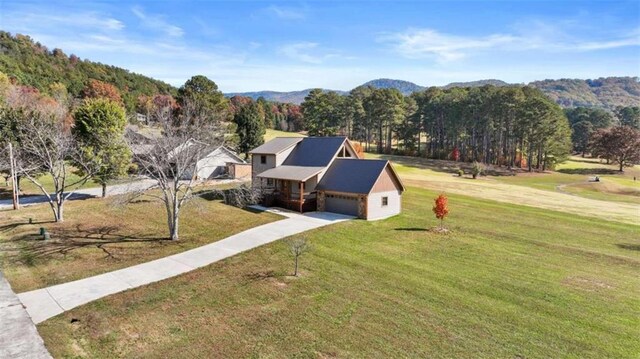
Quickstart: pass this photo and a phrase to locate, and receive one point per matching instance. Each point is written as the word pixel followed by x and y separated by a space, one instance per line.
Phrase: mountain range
pixel 605 92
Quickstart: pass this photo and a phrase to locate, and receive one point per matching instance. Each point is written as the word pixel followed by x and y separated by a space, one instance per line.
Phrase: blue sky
pixel 260 45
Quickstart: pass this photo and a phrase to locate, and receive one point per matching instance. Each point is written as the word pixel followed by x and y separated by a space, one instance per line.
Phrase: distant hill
pixel 406 87
pixel 32 64
pixel 478 83
pixel 605 92
pixel 288 97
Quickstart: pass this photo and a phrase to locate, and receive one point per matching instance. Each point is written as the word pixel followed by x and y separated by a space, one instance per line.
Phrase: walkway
pixel 18 335
pixel 45 303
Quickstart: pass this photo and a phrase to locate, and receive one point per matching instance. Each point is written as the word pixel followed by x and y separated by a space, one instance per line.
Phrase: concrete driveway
pixel 45 303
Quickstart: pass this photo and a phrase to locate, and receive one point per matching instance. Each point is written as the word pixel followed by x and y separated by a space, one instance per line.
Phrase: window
pixel 263 159
pixel 385 201
pixel 269 181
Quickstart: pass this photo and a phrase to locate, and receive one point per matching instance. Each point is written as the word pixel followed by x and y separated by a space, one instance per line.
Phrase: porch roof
pixel 291 173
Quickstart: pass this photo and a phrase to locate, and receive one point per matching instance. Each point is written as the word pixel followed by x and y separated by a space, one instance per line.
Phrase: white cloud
pixel 286 13
pixel 157 22
pixel 426 43
pixel 300 51
pixel 310 52
pixel 420 43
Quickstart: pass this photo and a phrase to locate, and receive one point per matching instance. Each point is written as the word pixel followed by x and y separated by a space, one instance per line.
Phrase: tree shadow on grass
pixel 588 171
pixel 631 247
pixel 412 229
pixel 65 241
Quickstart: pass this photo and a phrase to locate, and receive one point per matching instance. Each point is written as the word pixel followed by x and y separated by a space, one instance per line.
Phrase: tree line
pixel 511 125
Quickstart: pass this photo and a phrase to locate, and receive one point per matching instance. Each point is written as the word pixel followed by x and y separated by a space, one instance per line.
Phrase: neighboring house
pixel 325 174
pixel 213 164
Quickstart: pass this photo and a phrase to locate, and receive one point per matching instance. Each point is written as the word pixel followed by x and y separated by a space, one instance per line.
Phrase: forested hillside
pixel 607 92
pixel 32 64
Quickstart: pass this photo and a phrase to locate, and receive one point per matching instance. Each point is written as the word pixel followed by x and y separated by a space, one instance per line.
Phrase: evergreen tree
pixel 250 128
pixel 99 129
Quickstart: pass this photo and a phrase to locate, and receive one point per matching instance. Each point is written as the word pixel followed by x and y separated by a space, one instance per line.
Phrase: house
pixel 325 174
pixel 213 163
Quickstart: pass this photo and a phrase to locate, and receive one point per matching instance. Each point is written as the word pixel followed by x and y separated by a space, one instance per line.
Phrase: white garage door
pixel 341 204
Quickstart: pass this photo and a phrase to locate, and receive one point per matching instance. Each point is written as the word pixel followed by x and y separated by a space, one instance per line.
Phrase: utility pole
pixel 14 179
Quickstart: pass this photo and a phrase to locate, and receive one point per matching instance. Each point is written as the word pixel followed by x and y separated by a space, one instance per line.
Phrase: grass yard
pixel 550 190
pixel 100 236
pixel 27 188
pixel 509 282
pixel 271 134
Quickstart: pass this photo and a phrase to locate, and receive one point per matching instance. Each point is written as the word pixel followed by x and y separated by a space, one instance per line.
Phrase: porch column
pixel 301 195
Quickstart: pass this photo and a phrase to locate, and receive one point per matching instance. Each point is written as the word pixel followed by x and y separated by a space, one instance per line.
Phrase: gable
pixel 387 182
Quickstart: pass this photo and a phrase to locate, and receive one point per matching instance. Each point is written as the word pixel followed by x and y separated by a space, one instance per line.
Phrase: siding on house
pixel 375 208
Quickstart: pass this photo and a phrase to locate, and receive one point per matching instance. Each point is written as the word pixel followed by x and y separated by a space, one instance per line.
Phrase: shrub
pixel 460 173
pixel 477 170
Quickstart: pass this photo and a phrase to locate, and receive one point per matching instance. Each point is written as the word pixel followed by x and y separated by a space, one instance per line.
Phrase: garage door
pixel 341 204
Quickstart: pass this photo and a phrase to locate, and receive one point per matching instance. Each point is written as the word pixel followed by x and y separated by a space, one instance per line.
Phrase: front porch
pixel 292 195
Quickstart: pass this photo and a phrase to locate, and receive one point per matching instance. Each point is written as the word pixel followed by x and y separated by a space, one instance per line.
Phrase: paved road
pixel 139 185
pixel 18 335
pixel 45 303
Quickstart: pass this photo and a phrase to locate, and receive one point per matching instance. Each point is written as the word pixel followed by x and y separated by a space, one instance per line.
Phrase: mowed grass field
pixel 550 190
pixel 509 281
pixel 101 235
pixel 271 134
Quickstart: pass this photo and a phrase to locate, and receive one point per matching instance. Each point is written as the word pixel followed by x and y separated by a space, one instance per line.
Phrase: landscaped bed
pixel 508 281
pixel 101 235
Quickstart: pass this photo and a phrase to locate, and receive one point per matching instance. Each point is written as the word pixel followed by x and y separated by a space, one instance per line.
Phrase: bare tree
pixel 298 246
pixel 171 160
pixel 46 146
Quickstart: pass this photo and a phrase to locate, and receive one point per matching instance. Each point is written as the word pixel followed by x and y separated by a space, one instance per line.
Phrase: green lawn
pixel 271 134
pixel 99 235
pixel 509 282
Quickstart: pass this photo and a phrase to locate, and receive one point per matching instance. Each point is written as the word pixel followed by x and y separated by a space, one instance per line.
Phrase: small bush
pixel 477 170
pixel 460 173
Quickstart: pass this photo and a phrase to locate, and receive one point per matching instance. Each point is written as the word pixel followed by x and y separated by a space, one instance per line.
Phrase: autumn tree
pixel 99 130
pixel 441 209
pixel 620 144
pixel 99 89
pixel 250 128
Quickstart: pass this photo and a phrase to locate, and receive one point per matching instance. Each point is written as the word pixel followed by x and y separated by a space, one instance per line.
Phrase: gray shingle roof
pixel 276 145
pixel 315 151
pixel 352 175
pixel 293 173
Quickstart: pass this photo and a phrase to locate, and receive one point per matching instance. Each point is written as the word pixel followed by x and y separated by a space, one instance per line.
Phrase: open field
pixel 509 281
pixel 538 190
pixel 99 235
pixel 271 134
